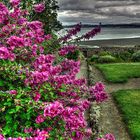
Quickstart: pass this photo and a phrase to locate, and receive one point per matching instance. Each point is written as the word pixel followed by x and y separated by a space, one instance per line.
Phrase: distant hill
pixel 131 25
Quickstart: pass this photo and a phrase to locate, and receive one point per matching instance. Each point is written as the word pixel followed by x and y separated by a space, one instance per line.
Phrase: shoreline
pixel 125 42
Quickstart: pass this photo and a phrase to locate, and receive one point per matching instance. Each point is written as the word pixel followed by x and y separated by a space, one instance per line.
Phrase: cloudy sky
pixel 95 11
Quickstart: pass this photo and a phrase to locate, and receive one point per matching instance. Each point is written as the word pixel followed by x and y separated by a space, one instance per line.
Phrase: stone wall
pixel 89 51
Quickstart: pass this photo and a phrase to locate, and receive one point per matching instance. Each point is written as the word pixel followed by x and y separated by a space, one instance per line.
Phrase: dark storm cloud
pixel 93 11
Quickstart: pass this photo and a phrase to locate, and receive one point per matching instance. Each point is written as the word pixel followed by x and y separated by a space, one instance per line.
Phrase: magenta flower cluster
pixel 71 32
pixel 107 137
pixel 38 135
pixel 67 49
pixel 76 30
pixel 53 109
pixel 5 54
pixel 39 7
pixel 99 92
pixel 15 2
pixel 91 33
pixel 19 34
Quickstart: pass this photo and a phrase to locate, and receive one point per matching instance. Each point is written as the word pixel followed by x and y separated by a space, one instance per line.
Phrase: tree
pixel 48 16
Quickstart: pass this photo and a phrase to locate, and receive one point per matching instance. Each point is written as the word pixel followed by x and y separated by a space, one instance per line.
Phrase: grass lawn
pixel 119 72
pixel 128 102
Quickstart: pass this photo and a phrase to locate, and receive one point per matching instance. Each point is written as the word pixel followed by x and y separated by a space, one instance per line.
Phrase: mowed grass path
pixel 128 102
pixel 119 72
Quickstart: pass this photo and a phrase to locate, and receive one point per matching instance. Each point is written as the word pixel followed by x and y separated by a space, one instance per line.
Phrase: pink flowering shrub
pixel 47 102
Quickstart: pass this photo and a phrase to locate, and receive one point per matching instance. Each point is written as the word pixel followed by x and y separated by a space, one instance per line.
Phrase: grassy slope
pixel 119 72
pixel 129 103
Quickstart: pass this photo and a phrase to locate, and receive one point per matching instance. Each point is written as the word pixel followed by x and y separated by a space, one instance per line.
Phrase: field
pixel 128 102
pixel 120 72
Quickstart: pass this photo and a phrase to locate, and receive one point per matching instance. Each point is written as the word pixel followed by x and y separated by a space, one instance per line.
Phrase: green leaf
pixel 12 111
pixel 1 83
pixel 6 130
pixel 18 96
pixel 18 108
pixel 73 134
pixel 7 104
pixel 8 118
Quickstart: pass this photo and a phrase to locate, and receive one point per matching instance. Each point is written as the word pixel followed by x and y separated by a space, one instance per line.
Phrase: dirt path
pixel 111 121
pixel 83 70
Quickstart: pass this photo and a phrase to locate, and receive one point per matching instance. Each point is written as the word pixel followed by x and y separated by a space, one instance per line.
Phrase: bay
pixel 109 33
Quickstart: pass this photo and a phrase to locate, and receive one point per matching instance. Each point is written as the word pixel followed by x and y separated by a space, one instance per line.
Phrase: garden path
pixel 83 70
pixel 111 121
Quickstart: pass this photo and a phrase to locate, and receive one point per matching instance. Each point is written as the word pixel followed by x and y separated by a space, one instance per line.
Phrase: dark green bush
pixel 131 51
pixel 126 56
pixel 94 58
pixel 136 56
pixel 107 59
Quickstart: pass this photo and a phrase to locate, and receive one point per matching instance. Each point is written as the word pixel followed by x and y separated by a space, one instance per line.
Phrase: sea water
pixel 110 33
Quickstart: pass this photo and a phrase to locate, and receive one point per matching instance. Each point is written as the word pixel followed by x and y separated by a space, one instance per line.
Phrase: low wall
pixel 89 51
